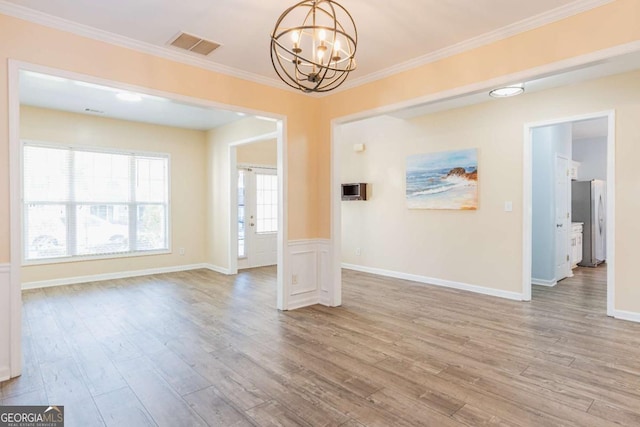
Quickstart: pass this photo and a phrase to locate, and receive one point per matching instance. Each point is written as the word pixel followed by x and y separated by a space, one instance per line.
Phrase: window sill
pixel 63 260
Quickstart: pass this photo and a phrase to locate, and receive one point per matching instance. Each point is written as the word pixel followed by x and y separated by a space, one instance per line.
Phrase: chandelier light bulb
pixel 317 61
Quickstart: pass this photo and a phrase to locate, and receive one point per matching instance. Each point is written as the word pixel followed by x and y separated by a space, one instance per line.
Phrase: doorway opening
pixel 569 205
pixel 257 204
pixel 174 119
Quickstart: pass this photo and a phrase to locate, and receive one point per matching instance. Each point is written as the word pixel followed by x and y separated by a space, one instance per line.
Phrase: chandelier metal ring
pixel 318 54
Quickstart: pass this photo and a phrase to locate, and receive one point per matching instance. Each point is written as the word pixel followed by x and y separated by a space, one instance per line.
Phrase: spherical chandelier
pixel 313 45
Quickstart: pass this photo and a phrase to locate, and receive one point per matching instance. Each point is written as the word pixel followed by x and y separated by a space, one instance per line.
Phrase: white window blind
pixel 81 202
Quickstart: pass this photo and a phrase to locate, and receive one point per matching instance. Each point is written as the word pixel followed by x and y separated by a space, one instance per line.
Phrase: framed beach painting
pixel 444 180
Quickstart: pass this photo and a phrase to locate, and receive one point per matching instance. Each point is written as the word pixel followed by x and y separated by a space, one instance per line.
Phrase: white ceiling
pixel 391 33
pixel 42 90
pixel 58 93
pixel 588 129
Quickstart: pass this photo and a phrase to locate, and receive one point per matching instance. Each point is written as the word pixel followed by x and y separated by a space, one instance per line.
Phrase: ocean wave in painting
pixel 450 187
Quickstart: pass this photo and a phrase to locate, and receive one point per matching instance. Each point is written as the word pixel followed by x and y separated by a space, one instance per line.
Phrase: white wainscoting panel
pixel 325 257
pixel 309 273
pixel 5 321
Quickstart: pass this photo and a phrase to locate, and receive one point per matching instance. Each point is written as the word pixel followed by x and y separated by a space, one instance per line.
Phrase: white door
pixel 257 217
pixel 563 217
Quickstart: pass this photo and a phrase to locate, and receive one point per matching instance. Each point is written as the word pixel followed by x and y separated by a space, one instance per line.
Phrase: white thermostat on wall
pixel 358 148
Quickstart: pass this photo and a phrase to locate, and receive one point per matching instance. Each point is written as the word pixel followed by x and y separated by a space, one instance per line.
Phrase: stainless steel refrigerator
pixel 588 205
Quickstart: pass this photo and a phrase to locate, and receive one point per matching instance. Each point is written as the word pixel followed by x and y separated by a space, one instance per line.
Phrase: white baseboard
pixel 5 373
pixel 436 282
pixel 626 315
pixel 217 269
pixel 112 276
pixel 302 301
pixel 542 282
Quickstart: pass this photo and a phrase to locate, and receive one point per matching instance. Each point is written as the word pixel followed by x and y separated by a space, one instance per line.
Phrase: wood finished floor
pixel 198 348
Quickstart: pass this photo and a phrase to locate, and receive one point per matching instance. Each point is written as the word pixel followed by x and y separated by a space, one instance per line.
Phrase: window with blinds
pixel 84 202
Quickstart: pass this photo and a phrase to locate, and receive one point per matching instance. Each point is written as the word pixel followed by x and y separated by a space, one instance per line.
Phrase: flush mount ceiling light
pixel 313 45
pixel 507 91
pixel 129 97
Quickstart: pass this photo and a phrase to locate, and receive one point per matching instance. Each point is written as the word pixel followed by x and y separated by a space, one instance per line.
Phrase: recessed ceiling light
pixel 241 114
pixel 507 91
pixel 95 86
pixel 129 97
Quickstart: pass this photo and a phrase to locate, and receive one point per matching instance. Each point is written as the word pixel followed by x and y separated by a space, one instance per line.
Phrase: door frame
pixel 233 199
pixel 527 179
pixel 568 230
pixel 15 183
pixel 252 237
pixel 282 299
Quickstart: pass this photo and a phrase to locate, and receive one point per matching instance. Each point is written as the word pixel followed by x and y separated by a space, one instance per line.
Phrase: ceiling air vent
pixel 194 44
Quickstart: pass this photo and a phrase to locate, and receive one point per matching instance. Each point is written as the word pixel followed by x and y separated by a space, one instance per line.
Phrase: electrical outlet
pixel 358 252
pixel 294 279
pixel 181 251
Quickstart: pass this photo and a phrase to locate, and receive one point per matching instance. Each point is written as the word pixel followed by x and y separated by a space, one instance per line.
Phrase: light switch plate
pixel 508 206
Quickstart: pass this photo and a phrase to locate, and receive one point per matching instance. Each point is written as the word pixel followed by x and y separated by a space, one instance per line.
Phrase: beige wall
pixel 32 43
pixel 188 183
pixel 263 153
pixel 308 119
pixel 482 247
pixel 613 24
pixel 218 149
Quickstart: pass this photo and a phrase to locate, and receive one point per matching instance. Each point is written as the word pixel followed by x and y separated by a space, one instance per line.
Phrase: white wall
pixel 263 153
pixel 482 247
pixel 592 155
pixel 439 245
pixel 547 142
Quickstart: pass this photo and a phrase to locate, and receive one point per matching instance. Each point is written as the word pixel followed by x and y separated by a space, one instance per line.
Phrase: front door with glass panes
pixel 257 217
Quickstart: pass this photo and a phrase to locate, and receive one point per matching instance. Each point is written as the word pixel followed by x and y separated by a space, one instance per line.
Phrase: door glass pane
pixel 267 203
pixel 241 214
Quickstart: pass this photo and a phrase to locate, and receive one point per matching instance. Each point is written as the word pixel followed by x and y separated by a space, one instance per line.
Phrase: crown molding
pixel 57 23
pixel 527 24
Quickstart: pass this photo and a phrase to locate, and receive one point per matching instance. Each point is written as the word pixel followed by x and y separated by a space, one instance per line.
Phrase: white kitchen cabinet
pixel 573 170
pixel 576 243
